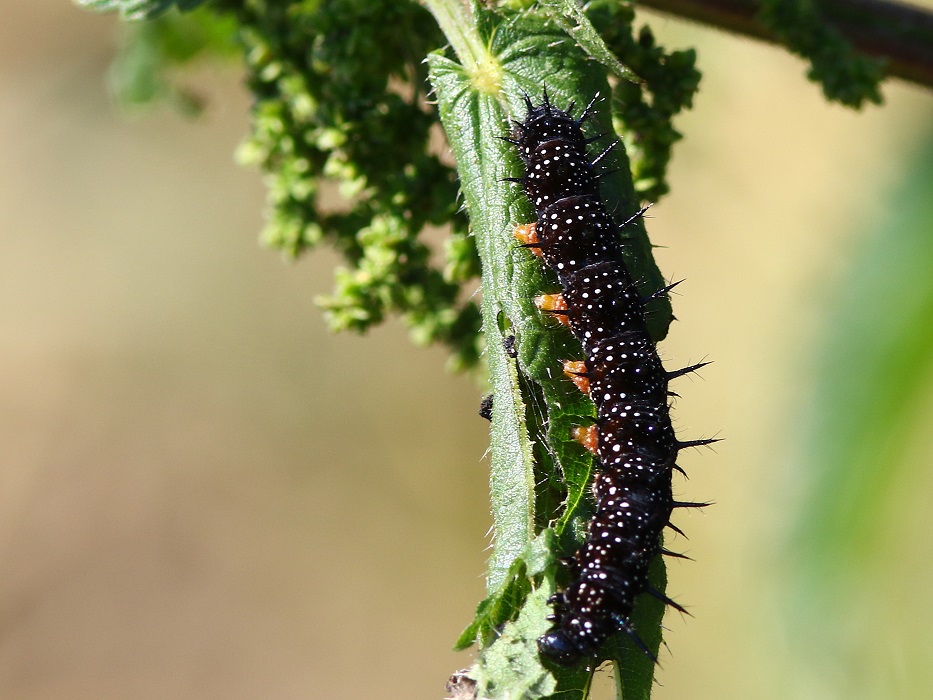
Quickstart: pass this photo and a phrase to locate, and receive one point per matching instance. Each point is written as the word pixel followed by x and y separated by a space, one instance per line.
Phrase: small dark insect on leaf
pixel 485 407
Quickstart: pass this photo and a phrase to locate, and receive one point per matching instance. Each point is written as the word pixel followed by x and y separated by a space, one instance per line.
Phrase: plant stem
pixel 455 19
pixel 901 34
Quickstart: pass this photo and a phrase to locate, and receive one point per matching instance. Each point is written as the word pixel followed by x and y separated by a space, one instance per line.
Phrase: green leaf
pixel 471 120
pixel 511 668
pixel 539 475
pixel 573 20
pixel 503 605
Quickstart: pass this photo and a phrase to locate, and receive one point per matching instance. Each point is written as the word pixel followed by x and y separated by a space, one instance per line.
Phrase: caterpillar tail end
pixel 557 647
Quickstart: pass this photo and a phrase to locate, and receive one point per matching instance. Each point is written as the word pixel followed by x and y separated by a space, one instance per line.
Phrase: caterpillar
pixel 632 436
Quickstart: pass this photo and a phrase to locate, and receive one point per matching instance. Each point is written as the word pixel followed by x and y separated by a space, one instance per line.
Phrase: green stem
pixel 469 116
pixel 455 19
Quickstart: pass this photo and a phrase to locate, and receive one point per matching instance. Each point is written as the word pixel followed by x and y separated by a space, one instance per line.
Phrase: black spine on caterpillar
pixel 635 443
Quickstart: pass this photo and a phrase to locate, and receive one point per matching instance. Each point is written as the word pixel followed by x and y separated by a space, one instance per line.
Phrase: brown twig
pixel 902 34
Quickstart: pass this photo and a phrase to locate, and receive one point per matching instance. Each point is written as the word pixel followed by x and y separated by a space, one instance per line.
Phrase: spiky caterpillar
pixel 632 436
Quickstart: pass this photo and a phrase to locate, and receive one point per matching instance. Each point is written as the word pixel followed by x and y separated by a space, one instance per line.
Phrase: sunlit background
pixel 204 494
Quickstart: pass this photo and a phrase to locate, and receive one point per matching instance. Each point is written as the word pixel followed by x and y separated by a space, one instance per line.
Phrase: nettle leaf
pixel 539 476
pixel 138 9
pixel 510 667
pixel 572 19
pixel 503 605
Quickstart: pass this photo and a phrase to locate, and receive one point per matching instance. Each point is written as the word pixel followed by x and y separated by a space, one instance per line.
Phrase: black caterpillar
pixel 632 436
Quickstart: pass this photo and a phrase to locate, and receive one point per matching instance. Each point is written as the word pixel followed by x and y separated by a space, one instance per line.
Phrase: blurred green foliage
pixel 151 54
pixel 867 407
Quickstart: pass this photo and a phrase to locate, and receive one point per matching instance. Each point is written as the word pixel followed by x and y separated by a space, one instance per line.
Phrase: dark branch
pixel 902 34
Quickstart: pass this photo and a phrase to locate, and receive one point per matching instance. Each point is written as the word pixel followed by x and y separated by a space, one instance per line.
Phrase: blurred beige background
pixel 204 494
